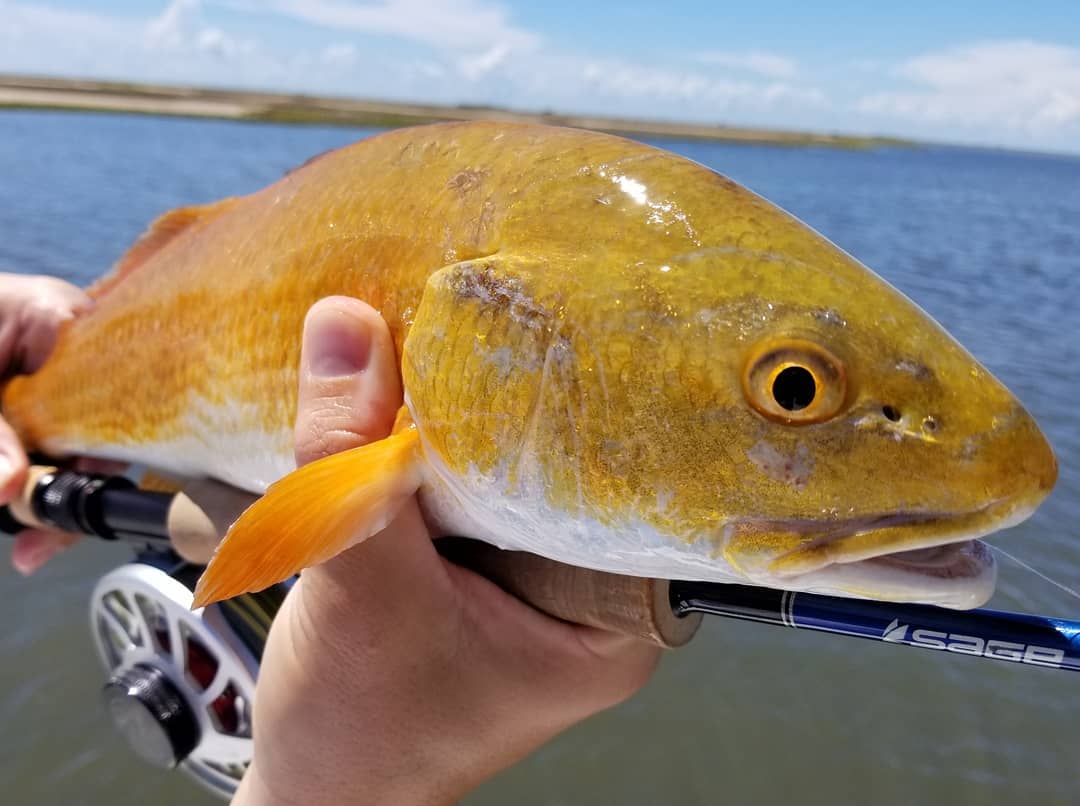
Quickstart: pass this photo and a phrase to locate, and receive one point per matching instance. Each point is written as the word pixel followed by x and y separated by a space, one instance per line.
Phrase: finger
pixel 622 665
pixel 350 389
pixel 584 669
pixel 37 337
pixel 50 303
pixel 349 394
pixel 13 463
pixel 35 547
pixel 103 467
pixel 362 590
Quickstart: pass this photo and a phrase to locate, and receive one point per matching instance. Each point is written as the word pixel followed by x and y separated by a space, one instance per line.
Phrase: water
pixel 988 243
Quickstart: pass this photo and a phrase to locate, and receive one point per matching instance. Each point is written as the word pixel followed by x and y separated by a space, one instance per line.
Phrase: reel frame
pixel 140 613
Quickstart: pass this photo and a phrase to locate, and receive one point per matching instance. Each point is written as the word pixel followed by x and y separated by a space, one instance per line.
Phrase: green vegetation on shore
pixel 25 92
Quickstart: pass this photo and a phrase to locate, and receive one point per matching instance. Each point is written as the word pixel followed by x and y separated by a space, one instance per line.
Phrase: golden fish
pixel 612 356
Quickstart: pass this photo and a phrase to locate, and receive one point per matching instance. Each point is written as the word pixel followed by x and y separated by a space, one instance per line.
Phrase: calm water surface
pixel 988 243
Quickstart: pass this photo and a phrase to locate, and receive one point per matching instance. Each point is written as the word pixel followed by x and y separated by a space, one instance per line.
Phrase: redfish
pixel 611 356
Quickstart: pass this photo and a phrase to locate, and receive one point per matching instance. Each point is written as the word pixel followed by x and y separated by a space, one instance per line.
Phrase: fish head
pixel 846 443
pixel 745 403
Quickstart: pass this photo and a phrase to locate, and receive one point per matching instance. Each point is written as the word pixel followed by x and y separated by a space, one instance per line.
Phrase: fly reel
pixel 181 682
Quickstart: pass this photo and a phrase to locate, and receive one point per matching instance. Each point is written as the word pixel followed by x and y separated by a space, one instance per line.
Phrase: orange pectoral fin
pixel 313 514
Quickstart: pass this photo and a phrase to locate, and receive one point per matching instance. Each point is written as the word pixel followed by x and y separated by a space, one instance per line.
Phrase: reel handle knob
pixel 152 715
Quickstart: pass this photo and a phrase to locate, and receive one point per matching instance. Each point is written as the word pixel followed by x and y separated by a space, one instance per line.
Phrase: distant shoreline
pixel 30 92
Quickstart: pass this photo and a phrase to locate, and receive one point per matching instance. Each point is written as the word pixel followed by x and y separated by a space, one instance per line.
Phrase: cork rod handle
pixel 635 606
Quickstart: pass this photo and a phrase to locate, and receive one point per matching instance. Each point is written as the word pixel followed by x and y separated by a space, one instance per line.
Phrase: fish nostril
pixel 930 424
pixel 892 414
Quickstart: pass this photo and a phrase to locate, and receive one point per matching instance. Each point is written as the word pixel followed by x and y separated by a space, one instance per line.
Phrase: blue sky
pixel 994 73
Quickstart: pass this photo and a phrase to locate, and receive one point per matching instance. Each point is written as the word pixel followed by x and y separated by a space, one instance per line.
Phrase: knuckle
pixel 326 427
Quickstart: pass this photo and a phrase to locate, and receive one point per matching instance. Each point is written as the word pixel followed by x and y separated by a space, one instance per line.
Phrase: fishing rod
pixel 107 507
pixel 999 635
pixel 181 682
pixel 665 612
pixel 669 612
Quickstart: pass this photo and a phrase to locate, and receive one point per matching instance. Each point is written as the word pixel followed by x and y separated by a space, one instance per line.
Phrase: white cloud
pixel 341 55
pixel 1019 93
pixel 22 23
pixel 644 81
pixel 180 29
pixel 40 39
pixel 759 62
pixel 171 28
pixel 427 69
pixel 439 23
pixel 215 42
pixel 175 45
pixel 475 67
pixel 501 66
pixel 1024 88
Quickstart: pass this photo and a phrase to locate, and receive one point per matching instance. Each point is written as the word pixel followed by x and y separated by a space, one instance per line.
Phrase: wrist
pixel 253 791
pixel 257 789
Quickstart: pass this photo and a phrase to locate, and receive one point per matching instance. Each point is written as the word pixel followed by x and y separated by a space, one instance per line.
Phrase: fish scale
pixel 589 330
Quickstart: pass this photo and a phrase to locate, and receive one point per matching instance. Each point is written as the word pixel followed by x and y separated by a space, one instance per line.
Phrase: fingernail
pixel 29 561
pixel 7 470
pixel 336 344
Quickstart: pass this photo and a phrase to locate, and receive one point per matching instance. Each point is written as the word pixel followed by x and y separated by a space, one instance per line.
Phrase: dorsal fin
pixel 160 233
pixel 309 161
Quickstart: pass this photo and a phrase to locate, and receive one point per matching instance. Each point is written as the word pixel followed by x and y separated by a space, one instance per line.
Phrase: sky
pixel 988 73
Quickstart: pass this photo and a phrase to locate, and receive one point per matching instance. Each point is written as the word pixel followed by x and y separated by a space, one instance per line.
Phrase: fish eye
pixel 794 388
pixel 794 381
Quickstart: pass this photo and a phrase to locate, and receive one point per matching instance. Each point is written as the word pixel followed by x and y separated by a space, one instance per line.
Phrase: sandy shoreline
pixel 25 92
pixel 59 99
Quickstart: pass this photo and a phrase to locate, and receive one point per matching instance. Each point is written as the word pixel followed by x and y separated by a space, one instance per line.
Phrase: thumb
pixel 350 390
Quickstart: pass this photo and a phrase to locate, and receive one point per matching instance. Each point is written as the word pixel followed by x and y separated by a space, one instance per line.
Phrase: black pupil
pixel 794 388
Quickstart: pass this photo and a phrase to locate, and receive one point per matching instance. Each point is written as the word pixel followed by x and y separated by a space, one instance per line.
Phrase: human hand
pixel 392 676
pixel 32 308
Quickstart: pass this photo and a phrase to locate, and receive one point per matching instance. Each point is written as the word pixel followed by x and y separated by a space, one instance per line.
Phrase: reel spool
pixel 182 682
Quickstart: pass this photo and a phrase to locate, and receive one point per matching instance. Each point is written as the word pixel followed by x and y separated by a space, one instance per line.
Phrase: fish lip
pixel 947 565
pixel 961 559
pixel 843 529
pixel 959 576
pixel 949 528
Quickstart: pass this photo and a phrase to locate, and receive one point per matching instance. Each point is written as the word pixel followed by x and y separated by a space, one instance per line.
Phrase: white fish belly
pixel 211 443
pixel 518 517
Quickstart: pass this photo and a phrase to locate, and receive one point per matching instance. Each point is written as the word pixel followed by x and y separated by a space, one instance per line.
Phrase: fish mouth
pixel 919 557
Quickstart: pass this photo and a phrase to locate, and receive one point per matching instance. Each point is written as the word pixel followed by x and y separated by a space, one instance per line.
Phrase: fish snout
pixel 1037 456
pixel 1021 466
